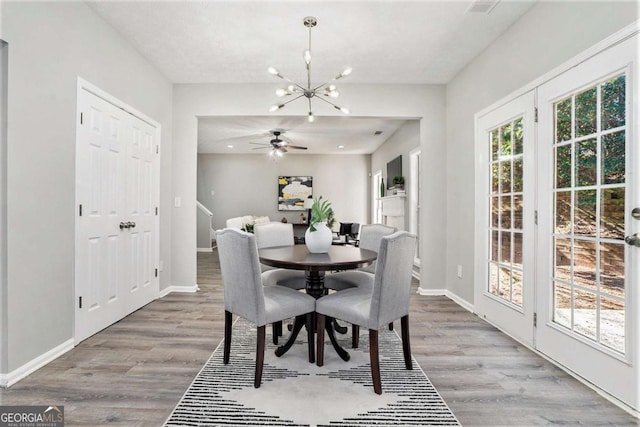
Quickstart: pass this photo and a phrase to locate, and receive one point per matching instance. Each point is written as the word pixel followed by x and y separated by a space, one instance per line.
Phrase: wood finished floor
pixel 134 372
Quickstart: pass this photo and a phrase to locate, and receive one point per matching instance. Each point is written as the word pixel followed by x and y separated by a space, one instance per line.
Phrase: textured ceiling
pixel 234 41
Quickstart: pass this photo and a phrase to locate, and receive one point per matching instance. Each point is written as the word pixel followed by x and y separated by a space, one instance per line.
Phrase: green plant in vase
pixel 398 181
pixel 320 212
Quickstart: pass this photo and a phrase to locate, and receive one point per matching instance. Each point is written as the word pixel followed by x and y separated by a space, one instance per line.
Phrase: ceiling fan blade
pixel 259 148
pixel 297 147
pixel 282 149
pixel 259 143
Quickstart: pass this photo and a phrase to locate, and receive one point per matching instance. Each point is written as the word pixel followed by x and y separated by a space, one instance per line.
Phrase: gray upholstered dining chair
pixel 370 237
pixel 247 297
pixel 373 307
pixel 272 234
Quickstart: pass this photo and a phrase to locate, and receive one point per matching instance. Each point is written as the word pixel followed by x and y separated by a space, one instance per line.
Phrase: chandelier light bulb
pixel 273 71
pixel 307 56
pixel 345 110
pixel 347 71
pixel 331 88
pixel 281 92
pixel 334 94
pixel 311 117
pixel 291 88
pixel 275 107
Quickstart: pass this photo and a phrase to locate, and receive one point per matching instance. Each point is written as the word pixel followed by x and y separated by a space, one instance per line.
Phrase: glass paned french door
pixel 589 212
pixel 505 229
pixel 506 204
pixel 587 188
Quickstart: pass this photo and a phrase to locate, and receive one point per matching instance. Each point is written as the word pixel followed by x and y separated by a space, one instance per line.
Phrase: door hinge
pixel 157 149
pixel 156 272
pixel 535 320
pixel 535 116
pixel 79 302
pixel 156 211
pixel 81 118
pixel 80 210
pixel 535 217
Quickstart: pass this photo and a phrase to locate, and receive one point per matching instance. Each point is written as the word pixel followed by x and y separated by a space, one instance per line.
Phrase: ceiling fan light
pixel 279 153
pixel 307 56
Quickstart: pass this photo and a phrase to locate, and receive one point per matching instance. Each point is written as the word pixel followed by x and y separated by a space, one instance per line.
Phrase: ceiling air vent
pixel 482 6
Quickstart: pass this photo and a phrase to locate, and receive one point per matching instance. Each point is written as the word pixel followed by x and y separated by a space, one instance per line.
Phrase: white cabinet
pixel 393 211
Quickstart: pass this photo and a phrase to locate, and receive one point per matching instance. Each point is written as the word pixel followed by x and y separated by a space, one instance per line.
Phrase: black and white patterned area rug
pixel 295 392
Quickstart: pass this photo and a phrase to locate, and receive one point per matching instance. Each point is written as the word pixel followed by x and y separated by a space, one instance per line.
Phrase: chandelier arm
pixel 291 100
pixel 291 81
pixel 323 85
pixel 328 102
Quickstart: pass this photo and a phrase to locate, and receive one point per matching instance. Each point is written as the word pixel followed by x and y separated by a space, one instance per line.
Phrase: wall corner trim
pixel 7 380
pixel 447 293
pixel 190 289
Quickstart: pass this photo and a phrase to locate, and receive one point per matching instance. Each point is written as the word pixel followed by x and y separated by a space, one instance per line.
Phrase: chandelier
pixel 325 90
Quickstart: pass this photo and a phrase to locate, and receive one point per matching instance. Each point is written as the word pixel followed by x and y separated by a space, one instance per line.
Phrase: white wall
pixel 401 143
pixel 545 37
pixel 50 45
pixel 247 184
pixel 398 101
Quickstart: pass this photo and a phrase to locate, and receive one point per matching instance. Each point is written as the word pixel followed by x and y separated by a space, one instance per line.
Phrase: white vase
pixel 319 241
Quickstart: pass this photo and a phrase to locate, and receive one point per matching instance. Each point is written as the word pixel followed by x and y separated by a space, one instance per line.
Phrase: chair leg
pixel 375 361
pixel 355 336
pixel 406 341
pixel 391 326
pixel 310 326
pixel 228 321
pixel 259 356
pixel 320 337
pixel 276 330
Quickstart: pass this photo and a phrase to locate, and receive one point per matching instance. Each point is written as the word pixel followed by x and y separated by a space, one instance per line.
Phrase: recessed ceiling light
pixel 341 146
pixel 229 146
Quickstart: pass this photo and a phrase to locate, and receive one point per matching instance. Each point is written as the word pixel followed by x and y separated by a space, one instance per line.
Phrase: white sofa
pixel 240 221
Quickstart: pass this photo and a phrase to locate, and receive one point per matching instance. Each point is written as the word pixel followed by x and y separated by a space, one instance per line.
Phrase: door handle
pixel 633 239
pixel 132 224
pixel 124 225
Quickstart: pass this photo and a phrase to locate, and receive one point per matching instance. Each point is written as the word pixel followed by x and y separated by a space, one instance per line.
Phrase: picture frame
pixel 293 191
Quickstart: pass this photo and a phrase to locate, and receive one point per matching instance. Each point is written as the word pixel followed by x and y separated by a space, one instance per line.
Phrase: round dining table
pixel 315 265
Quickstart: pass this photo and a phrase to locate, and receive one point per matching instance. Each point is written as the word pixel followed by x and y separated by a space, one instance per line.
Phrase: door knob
pixel 123 225
pixel 132 224
pixel 633 239
pixel 635 213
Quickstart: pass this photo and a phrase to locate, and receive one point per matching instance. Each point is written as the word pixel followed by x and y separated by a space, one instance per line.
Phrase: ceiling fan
pixel 278 145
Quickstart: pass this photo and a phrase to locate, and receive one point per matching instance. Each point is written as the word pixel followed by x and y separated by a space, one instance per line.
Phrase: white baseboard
pixel 7 380
pixel 447 293
pixel 205 250
pixel 166 291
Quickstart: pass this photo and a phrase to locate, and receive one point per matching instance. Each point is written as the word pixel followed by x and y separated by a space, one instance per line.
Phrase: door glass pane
pixel 507 176
pixel 589 213
pixel 586 166
pixel 563 166
pixel 612 213
pixel 613 158
pixel 563 120
pixel 585 123
pixel 613 103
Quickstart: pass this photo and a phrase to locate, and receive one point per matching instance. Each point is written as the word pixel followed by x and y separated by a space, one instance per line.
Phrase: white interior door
pixel 117 185
pixel 589 184
pixel 505 197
